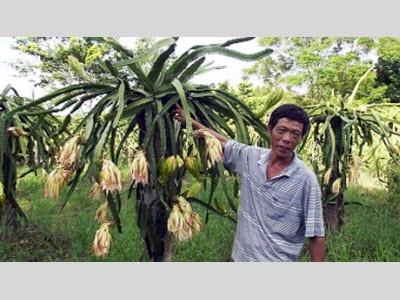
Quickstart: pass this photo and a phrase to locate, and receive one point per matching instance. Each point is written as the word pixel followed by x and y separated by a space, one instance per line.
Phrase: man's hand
pixel 179 114
pixel 316 247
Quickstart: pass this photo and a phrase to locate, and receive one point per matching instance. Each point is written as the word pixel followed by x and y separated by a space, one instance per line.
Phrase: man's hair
pixel 292 112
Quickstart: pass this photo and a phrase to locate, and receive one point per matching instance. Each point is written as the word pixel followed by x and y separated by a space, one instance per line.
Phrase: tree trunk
pixel 9 210
pixel 8 217
pixel 333 211
pixel 168 249
pixel 333 217
pixel 152 213
pixel 155 199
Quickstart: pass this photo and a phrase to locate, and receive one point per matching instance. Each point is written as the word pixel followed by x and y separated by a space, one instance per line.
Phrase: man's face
pixel 285 136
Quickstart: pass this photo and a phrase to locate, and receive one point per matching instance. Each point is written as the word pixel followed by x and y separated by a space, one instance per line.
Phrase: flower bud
pixel 110 177
pixel 193 166
pixel 336 186
pixel 102 240
pixel 17 132
pixel 56 181
pixel 69 154
pixel 214 152
pixel 140 168
pixel 101 213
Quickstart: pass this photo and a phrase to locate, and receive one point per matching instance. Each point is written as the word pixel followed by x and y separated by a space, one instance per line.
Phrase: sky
pixel 232 71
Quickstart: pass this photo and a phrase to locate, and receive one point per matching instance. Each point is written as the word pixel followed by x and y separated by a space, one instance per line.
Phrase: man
pixel 280 198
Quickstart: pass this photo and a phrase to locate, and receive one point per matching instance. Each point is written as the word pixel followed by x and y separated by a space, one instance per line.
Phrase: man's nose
pixel 286 137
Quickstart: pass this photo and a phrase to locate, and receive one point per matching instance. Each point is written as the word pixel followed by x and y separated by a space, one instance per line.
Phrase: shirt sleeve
pixel 313 215
pixel 236 156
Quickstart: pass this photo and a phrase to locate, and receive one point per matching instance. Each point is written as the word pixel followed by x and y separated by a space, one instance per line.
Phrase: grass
pixel 370 232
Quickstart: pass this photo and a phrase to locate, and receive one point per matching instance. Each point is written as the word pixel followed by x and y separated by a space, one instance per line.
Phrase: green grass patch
pixel 370 232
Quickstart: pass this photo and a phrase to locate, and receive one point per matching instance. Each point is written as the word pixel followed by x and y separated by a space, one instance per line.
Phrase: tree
pixel 136 100
pixel 340 127
pixel 50 58
pixel 312 67
pixel 388 67
pixel 27 139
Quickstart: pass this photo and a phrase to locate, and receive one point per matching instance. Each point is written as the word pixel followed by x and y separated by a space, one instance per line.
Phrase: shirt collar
pixel 288 171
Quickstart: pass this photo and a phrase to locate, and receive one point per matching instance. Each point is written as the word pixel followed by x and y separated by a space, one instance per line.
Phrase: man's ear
pixel 269 130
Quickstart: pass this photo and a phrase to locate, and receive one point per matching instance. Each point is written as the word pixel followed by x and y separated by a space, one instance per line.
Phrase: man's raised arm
pixel 179 115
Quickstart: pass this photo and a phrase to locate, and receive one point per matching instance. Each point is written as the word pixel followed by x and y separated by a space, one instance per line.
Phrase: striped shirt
pixel 274 215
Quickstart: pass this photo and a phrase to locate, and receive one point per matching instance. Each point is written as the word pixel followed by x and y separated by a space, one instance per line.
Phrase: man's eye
pixel 296 134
